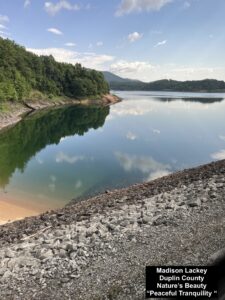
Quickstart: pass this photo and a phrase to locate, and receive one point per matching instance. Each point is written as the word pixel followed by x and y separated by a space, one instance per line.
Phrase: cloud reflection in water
pixel 145 164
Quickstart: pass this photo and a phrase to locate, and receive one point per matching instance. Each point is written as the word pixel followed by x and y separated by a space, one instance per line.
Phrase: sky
pixel 139 39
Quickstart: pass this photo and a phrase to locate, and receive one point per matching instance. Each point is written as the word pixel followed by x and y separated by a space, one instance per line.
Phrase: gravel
pixel 98 248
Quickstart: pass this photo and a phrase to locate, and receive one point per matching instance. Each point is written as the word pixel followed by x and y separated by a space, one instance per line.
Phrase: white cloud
pixel 218 155
pixel 130 108
pixel 130 6
pixel 99 44
pixel 52 184
pixel 2 36
pixel 78 184
pixel 145 164
pixel 62 157
pixel 88 60
pixel 157 174
pixel 95 61
pixel 4 19
pixel 39 160
pixel 2 26
pixel 135 36
pixel 53 178
pixel 156 131
pixel 145 71
pixel 222 137
pixel 197 73
pixel 161 43
pixel 5 33
pixel 53 9
pixel 55 31
pixel 70 44
pixel 125 67
pixel 27 3
pixel 131 136
pixel 186 5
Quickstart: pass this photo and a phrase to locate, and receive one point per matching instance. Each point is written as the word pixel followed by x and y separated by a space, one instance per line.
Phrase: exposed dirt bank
pixel 16 111
pixel 98 248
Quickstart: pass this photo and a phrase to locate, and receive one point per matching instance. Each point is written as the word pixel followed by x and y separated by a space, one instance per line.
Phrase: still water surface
pixel 54 156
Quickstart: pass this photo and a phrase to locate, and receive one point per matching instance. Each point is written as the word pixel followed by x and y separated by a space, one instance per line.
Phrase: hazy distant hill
pixel 206 85
pixel 110 77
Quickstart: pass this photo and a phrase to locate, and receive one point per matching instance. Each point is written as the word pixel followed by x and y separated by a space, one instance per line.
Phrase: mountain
pixel 110 77
pixel 206 85
pixel 25 75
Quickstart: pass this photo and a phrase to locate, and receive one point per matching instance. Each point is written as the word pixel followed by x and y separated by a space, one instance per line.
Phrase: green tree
pixel 22 72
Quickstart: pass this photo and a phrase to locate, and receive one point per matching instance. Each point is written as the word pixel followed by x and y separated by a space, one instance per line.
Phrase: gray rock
pixel 146 220
pixel 124 223
pixel 194 202
pixel 6 275
pixel 213 195
pixel 9 253
pixel 169 206
pixel 164 220
pixel 62 253
pixel 111 227
pixel 220 185
pixel 159 220
pixel 46 254
pixel 2 271
pixel 69 247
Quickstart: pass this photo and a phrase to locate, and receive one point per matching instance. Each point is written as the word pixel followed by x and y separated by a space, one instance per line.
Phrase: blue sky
pixel 141 39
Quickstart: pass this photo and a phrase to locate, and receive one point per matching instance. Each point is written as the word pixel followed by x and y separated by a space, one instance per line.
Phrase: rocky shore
pixel 98 248
pixel 16 111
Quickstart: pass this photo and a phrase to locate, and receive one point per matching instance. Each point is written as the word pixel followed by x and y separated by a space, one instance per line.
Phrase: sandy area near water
pixel 19 205
pixel 11 211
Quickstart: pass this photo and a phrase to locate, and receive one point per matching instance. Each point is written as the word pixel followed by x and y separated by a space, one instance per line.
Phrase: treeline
pixel 23 73
pixel 206 85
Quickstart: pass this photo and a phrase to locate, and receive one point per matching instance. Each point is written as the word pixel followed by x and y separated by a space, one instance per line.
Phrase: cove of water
pixel 56 155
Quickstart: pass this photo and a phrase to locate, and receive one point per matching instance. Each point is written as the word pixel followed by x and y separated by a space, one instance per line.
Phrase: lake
pixel 56 155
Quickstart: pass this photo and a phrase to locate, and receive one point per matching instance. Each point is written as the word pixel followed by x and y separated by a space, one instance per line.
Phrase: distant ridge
pixel 110 77
pixel 124 84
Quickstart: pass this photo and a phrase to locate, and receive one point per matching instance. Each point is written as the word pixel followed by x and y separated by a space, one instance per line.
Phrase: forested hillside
pixel 206 85
pixel 23 74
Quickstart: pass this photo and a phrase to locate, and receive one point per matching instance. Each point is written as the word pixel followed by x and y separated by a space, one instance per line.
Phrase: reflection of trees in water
pixel 199 100
pixel 20 143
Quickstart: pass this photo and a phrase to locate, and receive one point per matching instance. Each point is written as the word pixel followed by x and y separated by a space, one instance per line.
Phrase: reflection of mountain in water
pixel 20 143
pixel 199 100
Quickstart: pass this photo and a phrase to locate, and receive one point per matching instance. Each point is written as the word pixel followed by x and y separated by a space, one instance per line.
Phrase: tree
pixel 22 72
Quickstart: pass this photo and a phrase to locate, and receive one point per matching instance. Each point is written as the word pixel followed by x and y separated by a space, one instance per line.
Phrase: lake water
pixel 54 156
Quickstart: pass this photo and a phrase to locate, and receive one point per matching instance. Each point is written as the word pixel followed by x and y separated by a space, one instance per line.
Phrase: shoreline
pixel 102 245
pixel 12 210
pixel 17 111
pixel 154 187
